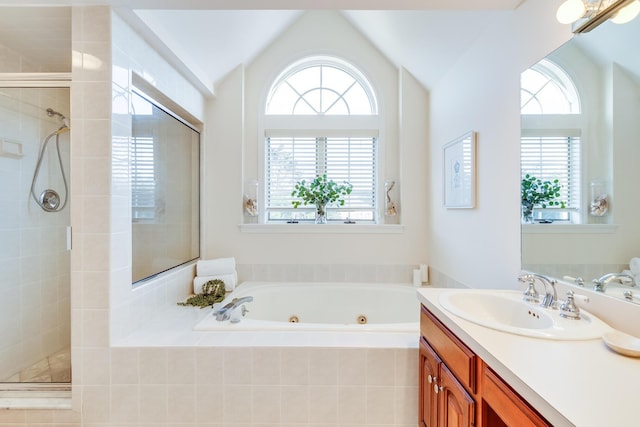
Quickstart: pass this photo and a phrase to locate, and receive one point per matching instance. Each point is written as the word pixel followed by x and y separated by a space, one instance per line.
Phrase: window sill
pixel 569 228
pixel 322 228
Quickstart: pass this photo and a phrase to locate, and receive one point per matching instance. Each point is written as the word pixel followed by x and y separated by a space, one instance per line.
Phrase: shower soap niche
pixel 9 148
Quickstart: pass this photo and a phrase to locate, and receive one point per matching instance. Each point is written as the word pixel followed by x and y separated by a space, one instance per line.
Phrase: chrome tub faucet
pixel 225 312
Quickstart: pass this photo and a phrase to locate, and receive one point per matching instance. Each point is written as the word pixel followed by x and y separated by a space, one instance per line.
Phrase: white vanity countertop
pixel 580 383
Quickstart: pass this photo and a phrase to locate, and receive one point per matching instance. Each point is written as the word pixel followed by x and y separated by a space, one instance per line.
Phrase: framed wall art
pixel 459 157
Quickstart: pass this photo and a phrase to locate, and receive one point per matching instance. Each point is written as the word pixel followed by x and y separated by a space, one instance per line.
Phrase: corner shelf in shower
pixel 10 148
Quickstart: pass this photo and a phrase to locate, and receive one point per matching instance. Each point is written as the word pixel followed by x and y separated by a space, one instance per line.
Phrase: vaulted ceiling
pixel 214 36
pixel 214 42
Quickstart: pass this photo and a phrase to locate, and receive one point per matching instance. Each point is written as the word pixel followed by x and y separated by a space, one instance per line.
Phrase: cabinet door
pixel 457 408
pixel 427 388
pixel 504 407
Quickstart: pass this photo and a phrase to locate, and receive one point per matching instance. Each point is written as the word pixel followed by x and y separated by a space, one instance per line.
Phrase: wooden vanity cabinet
pixel 457 389
pixel 445 398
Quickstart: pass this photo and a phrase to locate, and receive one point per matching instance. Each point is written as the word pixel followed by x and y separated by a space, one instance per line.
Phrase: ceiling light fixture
pixel 585 15
pixel 627 13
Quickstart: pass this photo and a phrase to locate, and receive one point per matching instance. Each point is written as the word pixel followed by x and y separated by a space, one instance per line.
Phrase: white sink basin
pixel 506 311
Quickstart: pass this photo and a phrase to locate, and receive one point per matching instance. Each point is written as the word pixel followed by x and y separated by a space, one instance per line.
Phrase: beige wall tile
pixel 153 366
pixel 125 403
pixel 380 366
pixel 266 404
pixel 323 366
pixel 181 365
pixel 380 405
pixel 295 404
pixel 181 403
pixel 153 403
pixel 323 404
pixel 295 366
pixel 237 366
pixel 352 402
pixel 209 365
pixel 125 368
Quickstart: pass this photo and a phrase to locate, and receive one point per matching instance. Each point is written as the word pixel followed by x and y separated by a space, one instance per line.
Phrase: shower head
pixel 51 112
pixel 65 122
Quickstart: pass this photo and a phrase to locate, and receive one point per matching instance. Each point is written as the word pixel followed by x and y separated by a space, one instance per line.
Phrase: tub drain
pixel 294 319
pixel 362 319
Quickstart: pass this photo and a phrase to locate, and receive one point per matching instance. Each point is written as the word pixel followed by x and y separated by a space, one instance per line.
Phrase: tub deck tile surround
pixel 281 378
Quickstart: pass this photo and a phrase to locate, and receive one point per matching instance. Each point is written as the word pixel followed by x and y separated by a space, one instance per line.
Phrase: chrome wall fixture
pixel 49 200
pixel 585 15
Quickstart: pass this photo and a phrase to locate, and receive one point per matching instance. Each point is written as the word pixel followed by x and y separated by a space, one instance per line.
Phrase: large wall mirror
pixel 581 126
pixel 165 191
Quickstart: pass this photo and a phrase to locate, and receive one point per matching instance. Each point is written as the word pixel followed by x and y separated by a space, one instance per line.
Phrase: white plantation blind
pixel 291 159
pixel 143 184
pixel 554 157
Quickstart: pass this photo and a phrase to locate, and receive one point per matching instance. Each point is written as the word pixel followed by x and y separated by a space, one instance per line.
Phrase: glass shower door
pixel 34 253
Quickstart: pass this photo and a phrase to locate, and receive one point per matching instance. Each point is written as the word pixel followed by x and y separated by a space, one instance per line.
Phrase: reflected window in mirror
pixel 550 142
pixel 164 173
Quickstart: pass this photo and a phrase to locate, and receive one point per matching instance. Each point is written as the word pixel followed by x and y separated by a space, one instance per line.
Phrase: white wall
pixel 234 144
pixel 481 247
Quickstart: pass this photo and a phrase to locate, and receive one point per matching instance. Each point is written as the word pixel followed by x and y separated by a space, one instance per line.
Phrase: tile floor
pixel 53 369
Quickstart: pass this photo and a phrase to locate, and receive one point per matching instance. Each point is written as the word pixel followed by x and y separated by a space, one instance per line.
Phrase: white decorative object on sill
pixel 599 204
pixel 250 198
pixel 390 207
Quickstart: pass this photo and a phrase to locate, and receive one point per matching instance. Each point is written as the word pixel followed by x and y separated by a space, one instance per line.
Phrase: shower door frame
pixel 55 395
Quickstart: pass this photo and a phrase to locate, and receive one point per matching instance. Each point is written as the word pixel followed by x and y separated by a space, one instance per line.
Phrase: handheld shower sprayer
pixel 50 200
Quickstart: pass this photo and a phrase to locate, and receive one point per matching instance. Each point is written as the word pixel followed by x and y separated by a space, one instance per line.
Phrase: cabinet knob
pixel 431 379
pixel 436 389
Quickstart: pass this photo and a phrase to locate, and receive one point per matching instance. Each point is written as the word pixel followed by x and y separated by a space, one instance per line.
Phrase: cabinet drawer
pixel 457 356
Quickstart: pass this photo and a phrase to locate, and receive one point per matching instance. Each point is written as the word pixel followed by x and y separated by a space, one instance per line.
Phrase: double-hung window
pixel 321 118
pixel 550 145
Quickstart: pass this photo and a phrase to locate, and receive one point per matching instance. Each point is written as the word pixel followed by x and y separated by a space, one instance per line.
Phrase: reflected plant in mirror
pixel 579 124
pixel 537 193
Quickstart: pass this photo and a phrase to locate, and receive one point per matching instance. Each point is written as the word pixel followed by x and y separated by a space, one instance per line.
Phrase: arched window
pixel 317 86
pixel 550 143
pixel 321 117
pixel 547 89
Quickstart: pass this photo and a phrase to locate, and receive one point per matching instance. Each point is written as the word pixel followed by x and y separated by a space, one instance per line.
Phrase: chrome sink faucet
pixel 601 283
pixel 224 313
pixel 531 295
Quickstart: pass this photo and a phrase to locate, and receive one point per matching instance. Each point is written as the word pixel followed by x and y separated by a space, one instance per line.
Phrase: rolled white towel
pixel 230 281
pixel 214 267
pixel 634 265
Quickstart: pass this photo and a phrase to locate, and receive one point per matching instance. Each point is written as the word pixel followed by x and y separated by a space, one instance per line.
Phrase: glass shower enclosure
pixel 34 235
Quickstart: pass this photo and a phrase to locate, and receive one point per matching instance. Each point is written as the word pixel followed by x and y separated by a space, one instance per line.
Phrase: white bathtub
pixel 315 306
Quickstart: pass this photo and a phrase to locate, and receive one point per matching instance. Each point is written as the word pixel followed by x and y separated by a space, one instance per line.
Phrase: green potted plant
pixel 320 192
pixel 538 193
